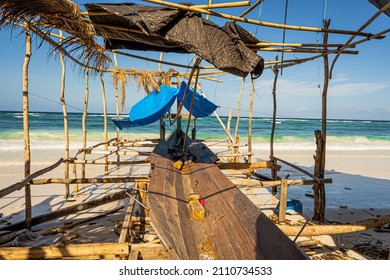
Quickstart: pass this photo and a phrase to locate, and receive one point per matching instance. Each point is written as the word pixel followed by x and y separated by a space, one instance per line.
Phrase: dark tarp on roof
pixel 172 30
pixel 380 4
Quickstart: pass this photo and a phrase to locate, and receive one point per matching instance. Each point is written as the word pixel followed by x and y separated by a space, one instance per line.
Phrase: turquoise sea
pixel 292 133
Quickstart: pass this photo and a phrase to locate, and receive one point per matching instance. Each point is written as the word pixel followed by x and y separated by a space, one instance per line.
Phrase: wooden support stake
pixel 84 121
pixel 27 151
pixel 236 138
pixel 66 127
pixel 273 171
pixel 283 200
pixel 250 121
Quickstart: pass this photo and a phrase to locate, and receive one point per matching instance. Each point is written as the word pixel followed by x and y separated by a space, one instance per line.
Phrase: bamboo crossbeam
pixel 58 252
pixel 266 184
pixel 123 153
pixel 206 6
pixel 305 50
pixel 251 8
pixel 90 180
pixel 28 179
pixel 235 155
pixel 315 230
pixel 263 44
pixel 111 162
pixel 223 5
pixel 257 22
pixel 383 9
pixel 316 179
pixel 247 165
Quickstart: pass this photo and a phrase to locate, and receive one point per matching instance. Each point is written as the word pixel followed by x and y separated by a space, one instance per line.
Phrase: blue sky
pixel 359 89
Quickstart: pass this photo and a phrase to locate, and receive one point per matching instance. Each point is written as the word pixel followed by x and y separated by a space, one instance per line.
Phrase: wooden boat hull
pixel 232 227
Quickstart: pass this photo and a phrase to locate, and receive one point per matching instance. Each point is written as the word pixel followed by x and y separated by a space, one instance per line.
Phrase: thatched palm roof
pixel 44 15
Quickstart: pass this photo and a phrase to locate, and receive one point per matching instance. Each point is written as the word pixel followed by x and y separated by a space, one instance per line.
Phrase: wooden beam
pixel 283 200
pixel 112 162
pixel 266 184
pixel 299 169
pixel 248 165
pixel 90 180
pixel 59 252
pixel 223 5
pixel 315 230
pixel 127 222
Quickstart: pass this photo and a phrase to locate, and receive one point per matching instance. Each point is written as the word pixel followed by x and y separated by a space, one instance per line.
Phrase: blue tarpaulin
pixel 154 106
pixel 201 108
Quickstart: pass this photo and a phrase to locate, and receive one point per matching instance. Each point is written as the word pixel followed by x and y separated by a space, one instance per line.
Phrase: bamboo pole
pixel 90 180
pixel 319 188
pixel 104 101
pixel 316 230
pixel 236 138
pixel 251 8
pixel 59 252
pixel 303 50
pixel 26 130
pixel 315 178
pixel 66 126
pixel 118 157
pixel 228 125
pixel 223 5
pixel 28 179
pixel 250 120
pixel 341 49
pixel 267 184
pixel 273 171
pixel 256 22
pixel 84 124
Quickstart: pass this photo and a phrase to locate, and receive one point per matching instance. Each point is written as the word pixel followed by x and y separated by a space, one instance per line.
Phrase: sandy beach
pixel 361 182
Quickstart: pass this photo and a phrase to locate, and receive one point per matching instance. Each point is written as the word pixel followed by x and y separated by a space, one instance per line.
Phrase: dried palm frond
pixel 120 75
pixel 44 15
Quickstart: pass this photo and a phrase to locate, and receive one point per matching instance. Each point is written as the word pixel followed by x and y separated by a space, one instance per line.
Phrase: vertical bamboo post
pixel 274 171
pixel 65 114
pixel 84 121
pixel 319 167
pixel 228 125
pixel 162 129
pixel 283 200
pixel 193 131
pixel 27 152
pixel 117 111
pixel 250 121
pixel 236 138
pixel 104 101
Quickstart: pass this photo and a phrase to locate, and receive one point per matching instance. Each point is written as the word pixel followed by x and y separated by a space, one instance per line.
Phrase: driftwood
pixel 69 210
pixel 58 252
pixel 314 230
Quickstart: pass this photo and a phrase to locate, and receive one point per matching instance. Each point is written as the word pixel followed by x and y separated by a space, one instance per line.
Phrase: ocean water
pixel 46 130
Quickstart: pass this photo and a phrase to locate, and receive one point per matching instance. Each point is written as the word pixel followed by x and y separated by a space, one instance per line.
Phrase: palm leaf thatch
pixel 43 15
pixel 147 80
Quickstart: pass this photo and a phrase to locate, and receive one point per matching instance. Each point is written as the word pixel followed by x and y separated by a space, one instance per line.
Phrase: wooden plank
pixel 283 200
pixel 127 222
pixel 248 165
